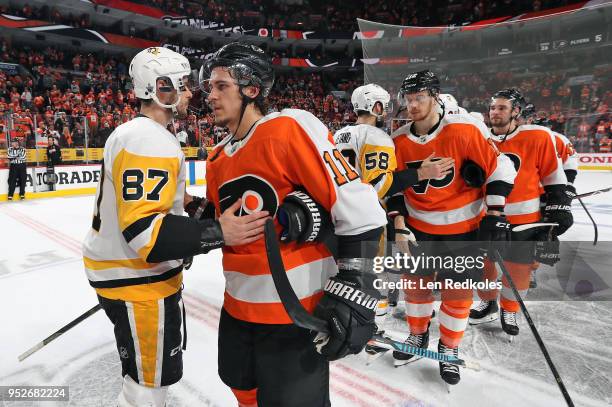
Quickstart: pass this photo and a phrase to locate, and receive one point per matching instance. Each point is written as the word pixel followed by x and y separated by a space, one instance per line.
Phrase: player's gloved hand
pixel 570 190
pixel 558 210
pixel 303 220
pixel 547 248
pixel 349 305
pixel 200 208
pixel 493 232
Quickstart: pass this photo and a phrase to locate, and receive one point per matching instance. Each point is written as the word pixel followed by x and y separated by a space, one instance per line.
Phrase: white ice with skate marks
pixel 43 286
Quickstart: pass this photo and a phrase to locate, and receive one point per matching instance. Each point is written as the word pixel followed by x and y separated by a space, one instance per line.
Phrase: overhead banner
pixel 43 27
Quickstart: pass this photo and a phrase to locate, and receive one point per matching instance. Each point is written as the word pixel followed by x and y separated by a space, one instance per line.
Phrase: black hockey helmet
pixel 528 111
pixel 247 64
pixel 420 81
pixel 541 121
pixel 513 95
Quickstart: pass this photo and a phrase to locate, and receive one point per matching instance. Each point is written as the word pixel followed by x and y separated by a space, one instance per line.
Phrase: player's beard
pixel 500 123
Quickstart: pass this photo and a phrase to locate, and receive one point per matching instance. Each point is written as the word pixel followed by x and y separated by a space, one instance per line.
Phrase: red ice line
pixel 55 235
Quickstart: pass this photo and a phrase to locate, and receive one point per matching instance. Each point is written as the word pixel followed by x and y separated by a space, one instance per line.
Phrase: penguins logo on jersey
pixel 257 195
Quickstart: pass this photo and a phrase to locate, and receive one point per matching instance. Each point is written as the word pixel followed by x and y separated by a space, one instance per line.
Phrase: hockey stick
pixel 500 264
pixel 303 319
pixel 59 332
pixel 291 303
pixel 388 343
pixel 590 217
pixel 597 192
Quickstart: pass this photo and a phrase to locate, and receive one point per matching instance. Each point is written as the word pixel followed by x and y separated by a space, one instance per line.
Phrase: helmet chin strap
pixel 171 107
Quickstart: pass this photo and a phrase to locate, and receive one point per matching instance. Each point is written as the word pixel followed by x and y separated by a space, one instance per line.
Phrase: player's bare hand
pixel 403 236
pixel 239 230
pixel 435 168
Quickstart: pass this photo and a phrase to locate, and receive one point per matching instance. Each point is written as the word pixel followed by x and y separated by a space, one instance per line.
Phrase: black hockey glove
pixel 570 190
pixel 547 248
pixel 200 208
pixel 396 206
pixel 349 305
pixel 303 220
pixel 558 209
pixel 494 232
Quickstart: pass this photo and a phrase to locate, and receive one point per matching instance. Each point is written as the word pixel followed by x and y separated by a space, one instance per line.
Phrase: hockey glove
pixel 349 305
pixel 570 190
pixel 493 232
pixel 303 220
pixel 396 206
pixel 558 210
pixel 547 248
pixel 200 208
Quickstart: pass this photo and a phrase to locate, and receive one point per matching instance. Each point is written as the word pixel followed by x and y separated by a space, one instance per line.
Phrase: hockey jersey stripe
pixel 123 282
pixel 419 309
pixel 523 208
pixel 116 273
pixel 306 280
pixel 265 313
pixel 144 292
pixel 138 227
pixel 441 218
pixel 137 264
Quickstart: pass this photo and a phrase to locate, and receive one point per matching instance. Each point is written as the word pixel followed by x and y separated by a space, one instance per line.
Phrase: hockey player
pixel 263 357
pixel 532 150
pixel 450 105
pixel 567 153
pixel 371 152
pixel 447 209
pixel 130 254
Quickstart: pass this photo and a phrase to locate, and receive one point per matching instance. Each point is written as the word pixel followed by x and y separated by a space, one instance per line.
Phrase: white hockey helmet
pixel 155 63
pixel 451 106
pixel 365 98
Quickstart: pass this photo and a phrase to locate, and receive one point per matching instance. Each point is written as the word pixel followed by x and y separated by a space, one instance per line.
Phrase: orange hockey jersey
pixel 285 151
pixel 448 205
pixel 569 156
pixel 532 150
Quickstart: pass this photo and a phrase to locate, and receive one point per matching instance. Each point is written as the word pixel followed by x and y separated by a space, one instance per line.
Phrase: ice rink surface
pixel 43 286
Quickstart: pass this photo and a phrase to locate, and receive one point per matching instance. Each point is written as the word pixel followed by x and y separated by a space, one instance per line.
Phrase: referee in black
pixel 17 169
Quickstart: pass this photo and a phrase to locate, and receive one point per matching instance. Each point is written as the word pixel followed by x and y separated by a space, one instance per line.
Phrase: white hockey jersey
pixel 371 152
pixel 143 180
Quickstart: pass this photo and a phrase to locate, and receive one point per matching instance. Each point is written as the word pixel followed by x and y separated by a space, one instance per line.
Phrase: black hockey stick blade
pixel 597 192
pixel 291 303
pixel 59 332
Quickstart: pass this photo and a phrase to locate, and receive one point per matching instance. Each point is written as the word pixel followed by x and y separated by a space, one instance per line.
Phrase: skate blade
pixel 510 338
pixel 484 320
pixel 400 363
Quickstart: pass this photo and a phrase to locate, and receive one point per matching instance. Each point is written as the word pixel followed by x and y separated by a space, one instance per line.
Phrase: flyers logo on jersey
pixel 257 195
pixel 423 186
